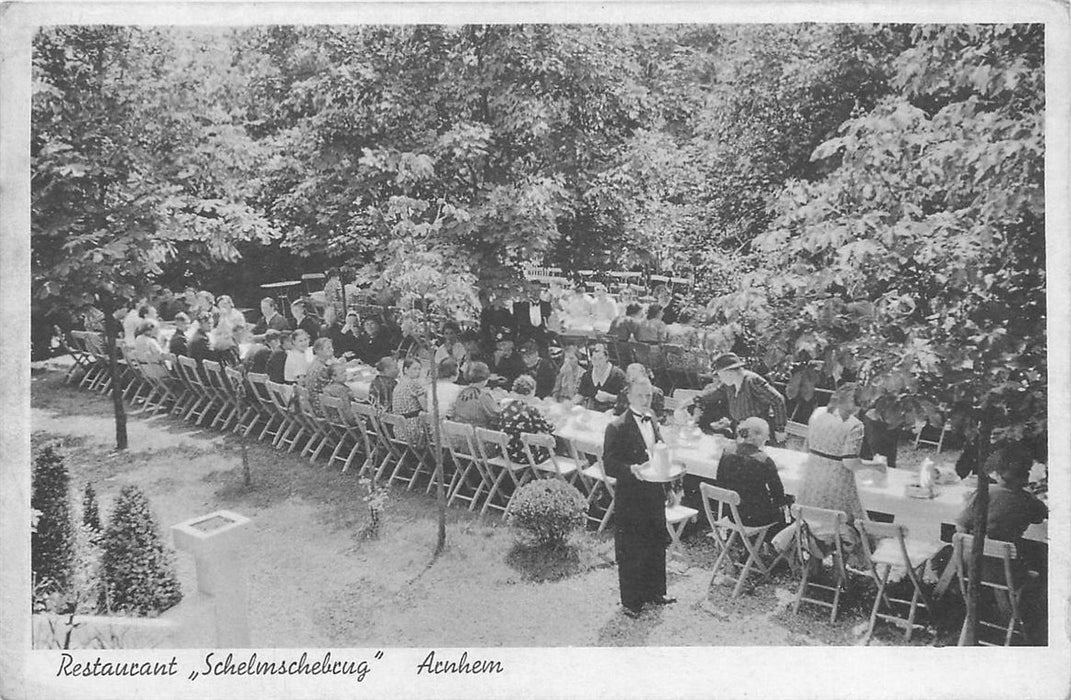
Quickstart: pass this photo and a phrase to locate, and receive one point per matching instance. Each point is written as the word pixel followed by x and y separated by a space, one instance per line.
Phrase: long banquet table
pixel 880 491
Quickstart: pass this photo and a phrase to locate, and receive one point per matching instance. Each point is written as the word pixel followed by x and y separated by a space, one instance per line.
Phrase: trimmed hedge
pixel 139 574
pixel 52 544
pixel 546 511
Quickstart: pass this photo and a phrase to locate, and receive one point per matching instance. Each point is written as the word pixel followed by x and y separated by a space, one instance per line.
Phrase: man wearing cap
pixel 748 394
pixel 640 535
pixel 506 365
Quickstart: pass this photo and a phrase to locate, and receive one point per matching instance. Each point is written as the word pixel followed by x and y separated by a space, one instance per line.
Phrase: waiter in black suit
pixel 640 535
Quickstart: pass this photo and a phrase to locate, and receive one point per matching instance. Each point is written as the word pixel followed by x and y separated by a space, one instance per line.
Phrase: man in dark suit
pixel 640 535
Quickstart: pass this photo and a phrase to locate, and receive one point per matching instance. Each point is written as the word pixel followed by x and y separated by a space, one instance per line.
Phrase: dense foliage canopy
pixel 858 200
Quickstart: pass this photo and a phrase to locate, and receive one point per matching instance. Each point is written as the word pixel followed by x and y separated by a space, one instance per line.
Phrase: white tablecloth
pixel 881 492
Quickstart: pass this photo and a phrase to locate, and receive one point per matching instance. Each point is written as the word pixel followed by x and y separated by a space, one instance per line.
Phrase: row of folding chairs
pixel 887 548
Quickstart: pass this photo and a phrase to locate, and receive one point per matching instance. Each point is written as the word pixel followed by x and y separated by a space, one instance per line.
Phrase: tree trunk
pixel 437 448
pixel 979 516
pixel 111 330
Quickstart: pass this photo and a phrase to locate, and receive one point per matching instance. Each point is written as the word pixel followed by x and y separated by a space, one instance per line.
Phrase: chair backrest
pixel 236 379
pixel 190 371
pixel 394 427
pixel 213 373
pixel 334 409
pixel 302 403
pixel 721 499
pixel 492 443
pixel 1005 552
pixel 533 442
pixel 258 383
pixel 281 395
pixel 796 429
pixel 881 531
pixel 461 440
pixel 821 521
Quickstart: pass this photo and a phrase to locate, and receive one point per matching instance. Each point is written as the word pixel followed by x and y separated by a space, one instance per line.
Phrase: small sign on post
pixel 216 541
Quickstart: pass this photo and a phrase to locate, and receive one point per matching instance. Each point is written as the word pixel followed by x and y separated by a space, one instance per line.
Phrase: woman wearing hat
pixel 748 394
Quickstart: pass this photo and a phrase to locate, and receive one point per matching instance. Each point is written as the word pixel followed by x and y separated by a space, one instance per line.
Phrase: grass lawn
pixel 316 581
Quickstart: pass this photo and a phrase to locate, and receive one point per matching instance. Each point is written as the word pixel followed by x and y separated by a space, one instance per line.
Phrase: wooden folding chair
pixel 317 429
pixel 200 409
pixel 98 378
pixel 378 451
pixel 428 456
pixel 83 360
pixel 291 431
pixel 248 412
pixel 219 389
pixel 347 434
pixel 396 432
pixel 728 529
pixel 810 523
pixel 469 480
pixel 507 476
pixel 601 488
pixel 274 421
pixel 895 552
pixel 536 445
pixel 1000 577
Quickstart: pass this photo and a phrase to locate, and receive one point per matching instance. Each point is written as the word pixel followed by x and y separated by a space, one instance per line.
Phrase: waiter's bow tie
pixel 643 418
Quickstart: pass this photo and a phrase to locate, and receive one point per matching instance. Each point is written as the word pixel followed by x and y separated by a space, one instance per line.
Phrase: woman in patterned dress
pixel 834 436
pixel 517 417
pixel 409 398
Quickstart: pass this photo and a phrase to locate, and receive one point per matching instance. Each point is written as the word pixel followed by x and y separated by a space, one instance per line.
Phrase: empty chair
pixel 200 409
pixel 727 528
pixel 600 487
pixel 83 360
pixel 895 552
pixel 248 413
pixel 275 421
pixel 219 388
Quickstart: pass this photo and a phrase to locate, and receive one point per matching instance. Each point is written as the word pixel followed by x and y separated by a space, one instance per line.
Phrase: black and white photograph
pixel 540 350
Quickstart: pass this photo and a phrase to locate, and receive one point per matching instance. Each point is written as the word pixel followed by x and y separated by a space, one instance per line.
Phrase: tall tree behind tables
pixel 136 163
pixel 432 283
pixel 918 261
pixel 507 123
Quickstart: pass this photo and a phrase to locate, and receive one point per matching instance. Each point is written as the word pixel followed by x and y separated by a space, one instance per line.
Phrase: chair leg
pixel 882 582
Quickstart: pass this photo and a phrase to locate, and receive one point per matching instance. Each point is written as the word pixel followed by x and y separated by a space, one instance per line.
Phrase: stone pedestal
pixel 217 542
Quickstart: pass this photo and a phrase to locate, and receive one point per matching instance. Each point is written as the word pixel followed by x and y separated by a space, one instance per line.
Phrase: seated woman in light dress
pixel 834 436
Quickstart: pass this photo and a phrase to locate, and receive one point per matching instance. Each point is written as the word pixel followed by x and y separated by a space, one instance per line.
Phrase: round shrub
pixel 52 543
pixel 546 511
pixel 138 571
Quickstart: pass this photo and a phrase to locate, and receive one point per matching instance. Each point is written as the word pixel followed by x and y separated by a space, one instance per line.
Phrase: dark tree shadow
pixel 541 563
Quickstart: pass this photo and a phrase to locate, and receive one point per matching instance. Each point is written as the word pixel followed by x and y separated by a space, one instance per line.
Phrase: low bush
pixel 546 511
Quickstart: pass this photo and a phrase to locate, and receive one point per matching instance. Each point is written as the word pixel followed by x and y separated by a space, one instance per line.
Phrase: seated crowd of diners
pixel 500 373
